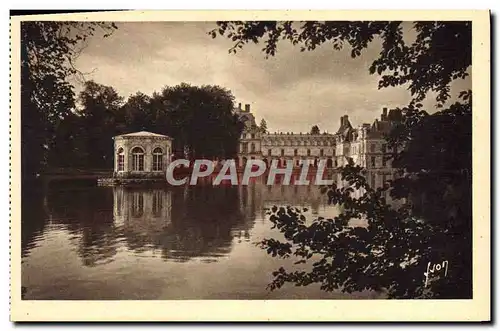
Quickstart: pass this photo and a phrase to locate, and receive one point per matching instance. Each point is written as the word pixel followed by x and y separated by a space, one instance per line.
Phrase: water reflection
pixel 93 242
pixel 181 223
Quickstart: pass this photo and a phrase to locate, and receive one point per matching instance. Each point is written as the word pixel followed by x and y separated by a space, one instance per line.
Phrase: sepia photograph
pixel 228 158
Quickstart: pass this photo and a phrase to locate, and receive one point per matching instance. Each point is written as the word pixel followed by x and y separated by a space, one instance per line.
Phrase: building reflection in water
pixel 145 211
pixel 176 223
pixel 182 222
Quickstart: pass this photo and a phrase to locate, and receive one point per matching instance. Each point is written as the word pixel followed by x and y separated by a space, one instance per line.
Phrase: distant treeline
pixel 198 118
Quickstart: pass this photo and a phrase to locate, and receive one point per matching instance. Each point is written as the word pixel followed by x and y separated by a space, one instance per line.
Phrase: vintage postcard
pixel 250 166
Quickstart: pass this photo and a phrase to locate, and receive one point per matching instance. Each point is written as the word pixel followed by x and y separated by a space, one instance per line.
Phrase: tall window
pixel 373 161
pixel 252 147
pixel 121 160
pixel 383 147
pixel 308 152
pixel 372 148
pixel 384 161
pixel 282 152
pixel 157 159
pixel 295 152
pixel 137 159
pixel 245 148
pixel 269 151
pixel 321 152
pixel 253 135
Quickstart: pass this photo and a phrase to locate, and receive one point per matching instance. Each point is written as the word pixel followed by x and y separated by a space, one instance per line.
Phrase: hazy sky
pixel 293 90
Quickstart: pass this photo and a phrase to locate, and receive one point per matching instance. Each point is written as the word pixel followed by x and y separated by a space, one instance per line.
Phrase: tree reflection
pixel 201 224
pixel 179 223
pixel 32 220
pixel 86 214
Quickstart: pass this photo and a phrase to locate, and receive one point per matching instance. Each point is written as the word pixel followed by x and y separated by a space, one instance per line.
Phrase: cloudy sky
pixel 293 90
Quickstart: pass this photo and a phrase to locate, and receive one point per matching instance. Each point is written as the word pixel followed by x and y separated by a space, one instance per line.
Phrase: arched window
pixel 121 160
pixel 157 159
pixel 329 163
pixel 137 159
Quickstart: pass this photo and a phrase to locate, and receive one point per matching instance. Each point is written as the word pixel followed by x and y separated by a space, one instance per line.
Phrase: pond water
pixel 192 242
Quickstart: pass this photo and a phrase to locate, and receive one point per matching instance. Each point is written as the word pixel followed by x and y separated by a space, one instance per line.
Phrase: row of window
pixel 248 136
pixel 383 148
pixel 374 163
pixel 329 162
pixel 297 143
pixel 356 149
pixel 296 152
pixel 244 147
pixel 305 143
pixel 138 159
pixel 321 151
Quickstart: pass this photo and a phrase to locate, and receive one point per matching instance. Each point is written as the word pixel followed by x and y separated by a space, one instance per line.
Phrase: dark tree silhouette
pixel 263 126
pixel 200 119
pixel 100 106
pixel 315 130
pixel 48 51
pixel 432 153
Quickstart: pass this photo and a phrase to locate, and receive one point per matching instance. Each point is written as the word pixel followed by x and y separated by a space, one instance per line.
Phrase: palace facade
pixel 365 144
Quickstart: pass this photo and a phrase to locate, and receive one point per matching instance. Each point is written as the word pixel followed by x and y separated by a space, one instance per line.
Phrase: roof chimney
pixel 247 107
pixel 239 105
pixel 346 119
pixel 341 121
pixel 384 114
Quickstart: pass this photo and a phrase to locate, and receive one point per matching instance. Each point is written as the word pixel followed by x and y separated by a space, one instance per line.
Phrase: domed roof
pixel 143 134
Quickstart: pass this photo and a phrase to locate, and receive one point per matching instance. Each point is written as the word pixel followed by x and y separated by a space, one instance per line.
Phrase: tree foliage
pixel 98 123
pixel 315 129
pixel 263 126
pixel 432 154
pixel 199 119
pixel 48 51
